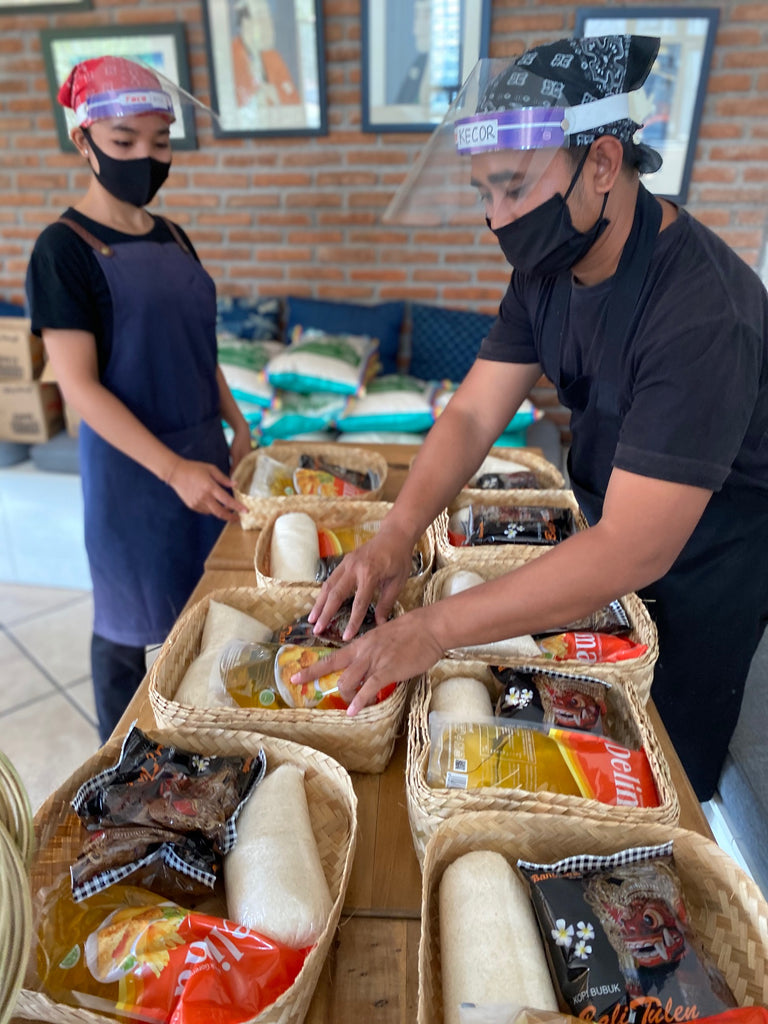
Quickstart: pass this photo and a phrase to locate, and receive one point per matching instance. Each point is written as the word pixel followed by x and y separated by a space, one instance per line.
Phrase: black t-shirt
pixel 66 287
pixel 693 387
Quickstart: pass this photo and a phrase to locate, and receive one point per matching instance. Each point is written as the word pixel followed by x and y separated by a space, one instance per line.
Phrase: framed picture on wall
pixel 266 65
pixel 669 106
pixel 46 7
pixel 161 47
pixel 416 55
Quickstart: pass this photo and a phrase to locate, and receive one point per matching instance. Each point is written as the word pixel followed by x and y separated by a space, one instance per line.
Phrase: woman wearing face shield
pixel 127 315
pixel 655 335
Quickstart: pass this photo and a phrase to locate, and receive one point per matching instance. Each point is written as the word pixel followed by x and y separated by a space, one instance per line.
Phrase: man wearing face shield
pixel 654 333
pixel 128 316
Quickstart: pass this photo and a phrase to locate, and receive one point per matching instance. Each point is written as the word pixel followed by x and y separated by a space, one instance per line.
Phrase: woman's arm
pixel 200 485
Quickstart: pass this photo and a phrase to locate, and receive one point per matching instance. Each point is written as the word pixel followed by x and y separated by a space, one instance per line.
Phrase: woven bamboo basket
pixel 548 476
pixel 347 512
pixel 642 630
pixel 498 554
pixel 727 911
pixel 333 813
pixel 259 510
pixel 363 743
pixel 428 806
pixel 15 922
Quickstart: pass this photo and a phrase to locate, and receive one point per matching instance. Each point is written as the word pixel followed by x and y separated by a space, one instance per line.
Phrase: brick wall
pixel 302 215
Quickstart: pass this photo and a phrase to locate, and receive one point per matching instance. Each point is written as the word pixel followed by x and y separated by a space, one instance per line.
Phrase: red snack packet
pixel 590 647
pixel 128 951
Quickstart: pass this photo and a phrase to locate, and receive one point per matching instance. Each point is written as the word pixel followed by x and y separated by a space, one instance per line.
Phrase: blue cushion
pixel 444 342
pixel 383 322
pixel 251 319
pixel 13 452
pixel 10 309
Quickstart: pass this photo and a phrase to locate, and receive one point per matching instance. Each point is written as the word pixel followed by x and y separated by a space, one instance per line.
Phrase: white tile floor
pixel 47 716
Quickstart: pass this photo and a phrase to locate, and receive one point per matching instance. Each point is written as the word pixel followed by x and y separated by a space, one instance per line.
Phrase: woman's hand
pixel 399 649
pixel 381 565
pixel 240 447
pixel 201 486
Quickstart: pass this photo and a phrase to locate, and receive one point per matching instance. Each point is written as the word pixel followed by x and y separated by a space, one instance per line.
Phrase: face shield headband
pixel 125 103
pixel 535 127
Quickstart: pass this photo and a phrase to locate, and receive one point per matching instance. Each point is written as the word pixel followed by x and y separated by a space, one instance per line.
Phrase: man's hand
pixel 390 653
pixel 380 566
pixel 201 486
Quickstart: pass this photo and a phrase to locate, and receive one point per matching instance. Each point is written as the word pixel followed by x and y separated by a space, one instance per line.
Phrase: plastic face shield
pixel 147 94
pixel 448 185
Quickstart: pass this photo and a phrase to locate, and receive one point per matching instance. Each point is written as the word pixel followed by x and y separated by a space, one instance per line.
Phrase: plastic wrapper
pixel 339 541
pixel 302 630
pixel 619 940
pixel 271 479
pixel 323 485
pixel 567 703
pixel 126 951
pixel 518 524
pixel 590 647
pixel 498 753
pixel 258 675
pixel 355 478
pixel 521 480
pixel 610 619
pixel 172 812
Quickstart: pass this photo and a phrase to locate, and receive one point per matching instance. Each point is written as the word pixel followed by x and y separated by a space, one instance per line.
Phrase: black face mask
pixel 132 181
pixel 544 241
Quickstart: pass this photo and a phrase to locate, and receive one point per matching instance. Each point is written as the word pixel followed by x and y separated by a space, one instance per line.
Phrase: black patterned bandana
pixel 570 72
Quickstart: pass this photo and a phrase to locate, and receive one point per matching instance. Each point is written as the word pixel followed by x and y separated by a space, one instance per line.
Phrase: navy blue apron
pixel 145 548
pixel 710 609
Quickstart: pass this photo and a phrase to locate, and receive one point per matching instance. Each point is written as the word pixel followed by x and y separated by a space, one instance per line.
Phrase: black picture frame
pixel 49 7
pixel 162 46
pixel 280 92
pixel 401 42
pixel 672 101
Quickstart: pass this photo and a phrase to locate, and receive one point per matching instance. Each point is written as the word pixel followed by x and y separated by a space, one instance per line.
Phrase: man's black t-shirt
pixel 66 287
pixel 693 385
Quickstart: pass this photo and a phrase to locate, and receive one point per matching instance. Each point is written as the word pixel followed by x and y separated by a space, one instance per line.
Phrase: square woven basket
pixel 333 813
pixel 329 513
pixel 727 911
pixel 259 510
pixel 548 476
pixel 428 806
pixel 362 744
pixel 493 554
pixel 642 630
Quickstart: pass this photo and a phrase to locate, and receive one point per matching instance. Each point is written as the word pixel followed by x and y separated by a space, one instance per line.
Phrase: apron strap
pixel 176 234
pixel 87 237
pixel 106 250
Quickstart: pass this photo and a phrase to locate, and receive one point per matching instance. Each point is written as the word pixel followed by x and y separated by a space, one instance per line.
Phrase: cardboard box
pixel 71 416
pixel 30 412
pixel 21 352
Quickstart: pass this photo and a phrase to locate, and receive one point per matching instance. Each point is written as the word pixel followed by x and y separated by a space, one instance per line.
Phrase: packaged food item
pixel 175 812
pixel 520 480
pixel 612 618
pixel 519 524
pixel 302 630
pixel 463 698
pixel 568 703
pixel 363 481
pixel 339 541
pixel 322 692
pixel 287 898
pixel 473 755
pixel 129 952
pixel 490 945
pixel 619 939
pixel 589 647
pixel 323 484
pixel 271 479
pixel 294 549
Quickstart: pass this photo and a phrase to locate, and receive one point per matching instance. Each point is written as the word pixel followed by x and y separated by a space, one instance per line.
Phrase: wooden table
pixel 372 972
